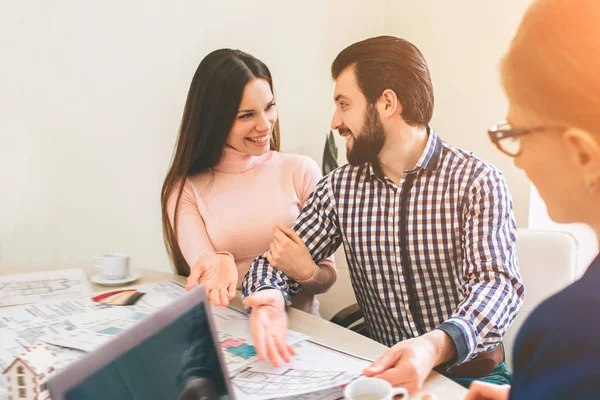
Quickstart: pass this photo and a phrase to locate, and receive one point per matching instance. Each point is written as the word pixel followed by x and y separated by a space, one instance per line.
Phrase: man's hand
pixel 289 254
pixel 268 323
pixel 409 362
pixel 218 273
pixel 487 391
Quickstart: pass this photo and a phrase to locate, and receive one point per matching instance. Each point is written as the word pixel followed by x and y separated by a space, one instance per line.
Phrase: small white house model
pixel 26 375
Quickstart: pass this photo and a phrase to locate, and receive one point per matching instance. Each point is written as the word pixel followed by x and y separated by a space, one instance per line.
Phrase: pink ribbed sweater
pixel 234 207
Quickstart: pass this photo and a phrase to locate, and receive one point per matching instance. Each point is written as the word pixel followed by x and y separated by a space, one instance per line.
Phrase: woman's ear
pixel 388 104
pixel 583 148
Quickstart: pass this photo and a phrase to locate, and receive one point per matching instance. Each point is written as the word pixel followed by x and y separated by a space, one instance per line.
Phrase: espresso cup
pixel 373 389
pixel 113 265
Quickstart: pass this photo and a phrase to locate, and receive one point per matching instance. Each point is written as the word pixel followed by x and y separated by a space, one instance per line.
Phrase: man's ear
pixel 388 104
pixel 583 148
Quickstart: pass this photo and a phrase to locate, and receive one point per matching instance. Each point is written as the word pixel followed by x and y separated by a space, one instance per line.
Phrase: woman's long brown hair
pixel 210 109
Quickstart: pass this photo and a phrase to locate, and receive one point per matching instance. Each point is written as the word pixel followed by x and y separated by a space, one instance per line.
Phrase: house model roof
pixel 38 359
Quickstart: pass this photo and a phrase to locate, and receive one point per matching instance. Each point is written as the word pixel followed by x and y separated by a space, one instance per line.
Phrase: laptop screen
pixel 178 361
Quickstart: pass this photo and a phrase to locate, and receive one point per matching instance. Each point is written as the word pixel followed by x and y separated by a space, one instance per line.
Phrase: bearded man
pixel 428 231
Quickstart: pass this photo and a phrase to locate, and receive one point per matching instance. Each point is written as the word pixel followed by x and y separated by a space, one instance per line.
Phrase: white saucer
pixel 100 280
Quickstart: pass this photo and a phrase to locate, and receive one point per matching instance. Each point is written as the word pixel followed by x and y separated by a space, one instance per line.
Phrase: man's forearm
pixel 261 275
pixel 442 345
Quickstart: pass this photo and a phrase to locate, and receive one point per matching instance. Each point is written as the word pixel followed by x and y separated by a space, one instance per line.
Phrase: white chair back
pixel 548 263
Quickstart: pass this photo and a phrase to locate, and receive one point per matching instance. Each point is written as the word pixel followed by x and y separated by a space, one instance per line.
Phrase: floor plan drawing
pixel 115 326
pixel 316 372
pixel 236 350
pixel 29 288
pixel 75 326
pixel 23 324
pixel 271 384
pixel 328 394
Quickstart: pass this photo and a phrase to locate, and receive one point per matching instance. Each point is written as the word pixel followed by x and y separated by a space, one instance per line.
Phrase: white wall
pixel 463 41
pixel 91 95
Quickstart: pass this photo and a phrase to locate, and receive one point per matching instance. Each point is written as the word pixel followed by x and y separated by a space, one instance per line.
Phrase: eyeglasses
pixel 508 139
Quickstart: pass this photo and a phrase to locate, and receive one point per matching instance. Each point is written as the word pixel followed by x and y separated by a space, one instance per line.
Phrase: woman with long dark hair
pixel 229 194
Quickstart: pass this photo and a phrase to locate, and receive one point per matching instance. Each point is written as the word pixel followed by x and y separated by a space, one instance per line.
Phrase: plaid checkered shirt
pixel 436 251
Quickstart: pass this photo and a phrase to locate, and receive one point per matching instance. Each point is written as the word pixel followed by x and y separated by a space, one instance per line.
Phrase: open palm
pixel 268 323
pixel 218 274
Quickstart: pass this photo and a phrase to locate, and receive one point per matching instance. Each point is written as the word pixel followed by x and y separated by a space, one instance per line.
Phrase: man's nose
pixel 336 121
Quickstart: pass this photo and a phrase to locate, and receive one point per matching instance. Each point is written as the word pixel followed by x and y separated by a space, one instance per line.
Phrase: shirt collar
pixel 428 161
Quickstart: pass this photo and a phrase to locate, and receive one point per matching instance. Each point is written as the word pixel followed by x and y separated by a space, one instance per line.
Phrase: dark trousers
pixel 499 376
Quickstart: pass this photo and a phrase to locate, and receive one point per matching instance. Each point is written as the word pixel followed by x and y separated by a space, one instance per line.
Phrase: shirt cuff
pixel 461 335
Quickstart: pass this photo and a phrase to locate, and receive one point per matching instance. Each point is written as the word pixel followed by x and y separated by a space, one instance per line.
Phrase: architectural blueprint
pixel 22 326
pixel 41 286
pixel 316 372
pixel 233 330
pixel 336 393
pixel 78 325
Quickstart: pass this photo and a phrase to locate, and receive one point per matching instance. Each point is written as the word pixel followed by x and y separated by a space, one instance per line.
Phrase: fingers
pixel 429 396
pixel 258 333
pixel 192 280
pixel 231 290
pixel 290 233
pixel 399 377
pixel 252 300
pixel 272 351
pixel 487 391
pixel 279 236
pixel 223 296
pixel 272 254
pixel 291 350
pixel 387 360
pixel 213 297
pixel 282 349
pixel 473 394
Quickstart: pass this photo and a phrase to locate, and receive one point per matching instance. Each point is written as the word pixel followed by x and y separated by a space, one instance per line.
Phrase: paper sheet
pixel 236 341
pixel 314 369
pixel 230 321
pixel 327 394
pixel 24 325
pixel 83 324
pixel 34 287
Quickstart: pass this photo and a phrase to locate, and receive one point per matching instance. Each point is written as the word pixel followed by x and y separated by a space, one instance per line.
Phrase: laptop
pixel 171 354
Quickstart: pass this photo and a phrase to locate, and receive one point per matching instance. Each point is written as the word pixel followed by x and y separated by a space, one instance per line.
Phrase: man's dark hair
pixel 388 62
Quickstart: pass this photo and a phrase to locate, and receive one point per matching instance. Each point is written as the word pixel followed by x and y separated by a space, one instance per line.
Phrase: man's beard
pixel 369 142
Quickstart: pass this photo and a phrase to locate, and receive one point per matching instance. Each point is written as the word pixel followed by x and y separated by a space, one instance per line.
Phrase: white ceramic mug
pixel 373 389
pixel 113 265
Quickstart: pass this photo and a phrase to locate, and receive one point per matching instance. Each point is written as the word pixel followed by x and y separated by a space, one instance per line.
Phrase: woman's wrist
pixel 309 275
pixel 224 253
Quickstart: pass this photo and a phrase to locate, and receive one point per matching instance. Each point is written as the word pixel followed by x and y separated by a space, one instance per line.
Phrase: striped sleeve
pixel 491 283
pixel 318 228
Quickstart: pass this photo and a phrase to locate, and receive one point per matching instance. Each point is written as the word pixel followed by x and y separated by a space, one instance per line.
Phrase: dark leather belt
pixel 483 364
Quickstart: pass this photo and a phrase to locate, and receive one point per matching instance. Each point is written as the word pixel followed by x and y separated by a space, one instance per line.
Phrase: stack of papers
pixel 56 308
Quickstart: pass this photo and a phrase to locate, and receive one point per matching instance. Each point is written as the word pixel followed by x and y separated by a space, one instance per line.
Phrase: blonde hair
pixel 552 67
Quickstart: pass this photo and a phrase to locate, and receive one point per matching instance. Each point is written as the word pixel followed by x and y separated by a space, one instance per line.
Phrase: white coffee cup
pixel 373 389
pixel 113 265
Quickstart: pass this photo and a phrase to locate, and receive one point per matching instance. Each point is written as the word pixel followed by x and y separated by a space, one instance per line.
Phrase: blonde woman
pixel 551 75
